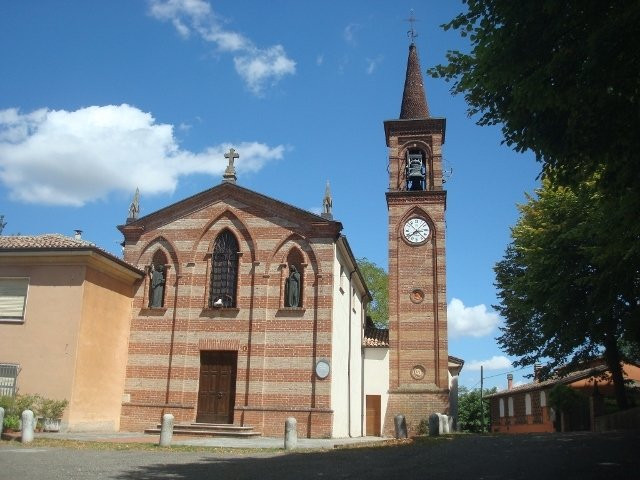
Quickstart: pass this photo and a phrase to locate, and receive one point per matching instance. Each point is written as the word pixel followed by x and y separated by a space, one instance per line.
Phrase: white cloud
pixel 258 67
pixel 372 64
pixel 497 362
pixel 60 157
pixel 470 321
pixel 349 33
pixel 320 59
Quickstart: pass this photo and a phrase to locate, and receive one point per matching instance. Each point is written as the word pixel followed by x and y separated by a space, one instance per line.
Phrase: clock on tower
pixel 416 201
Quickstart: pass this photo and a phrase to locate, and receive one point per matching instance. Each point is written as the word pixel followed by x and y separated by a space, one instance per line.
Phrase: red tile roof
pixel 375 337
pixel 45 241
pixel 56 242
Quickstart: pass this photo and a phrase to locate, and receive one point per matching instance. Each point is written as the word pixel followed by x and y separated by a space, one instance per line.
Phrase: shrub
pixel 423 427
pixel 26 402
pixel 52 409
pixel 11 422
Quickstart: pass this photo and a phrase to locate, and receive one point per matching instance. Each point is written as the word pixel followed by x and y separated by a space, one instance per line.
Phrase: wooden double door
pixel 217 391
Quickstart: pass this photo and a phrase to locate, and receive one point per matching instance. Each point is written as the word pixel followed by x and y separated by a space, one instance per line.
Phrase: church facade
pixel 251 312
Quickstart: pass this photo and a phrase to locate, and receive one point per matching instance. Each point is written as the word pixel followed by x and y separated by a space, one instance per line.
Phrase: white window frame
pixel 11 289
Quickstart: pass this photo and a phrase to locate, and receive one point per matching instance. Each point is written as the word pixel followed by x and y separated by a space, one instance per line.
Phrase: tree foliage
pixel 473 416
pixel 562 300
pixel 561 77
pixel 378 283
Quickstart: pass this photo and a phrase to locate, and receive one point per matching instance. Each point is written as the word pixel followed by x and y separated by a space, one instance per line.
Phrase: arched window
pixel 416 170
pixel 224 271
pixel 158 280
pixel 294 283
pixel 527 404
pixel 543 399
pixel 510 405
pixel 502 407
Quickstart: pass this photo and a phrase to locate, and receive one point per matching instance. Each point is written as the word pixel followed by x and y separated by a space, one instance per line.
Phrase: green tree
pixel 558 294
pixel 561 77
pixel 378 283
pixel 473 415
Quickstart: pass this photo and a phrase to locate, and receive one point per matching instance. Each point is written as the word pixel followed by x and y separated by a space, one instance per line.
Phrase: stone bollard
pixel 434 425
pixel 401 426
pixel 445 424
pixel 290 433
pixel 166 432
pixel 442 419
pixel 28 425
pixel 1 419
pixel 451 428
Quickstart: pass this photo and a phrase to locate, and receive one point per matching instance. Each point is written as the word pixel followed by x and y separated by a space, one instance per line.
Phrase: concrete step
pixel 209 429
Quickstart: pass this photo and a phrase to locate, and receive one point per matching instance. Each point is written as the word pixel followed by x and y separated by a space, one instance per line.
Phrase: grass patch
pixel 133 446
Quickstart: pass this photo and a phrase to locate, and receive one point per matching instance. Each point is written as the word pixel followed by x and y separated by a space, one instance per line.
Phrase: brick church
pixel 224 343
pixel 246 310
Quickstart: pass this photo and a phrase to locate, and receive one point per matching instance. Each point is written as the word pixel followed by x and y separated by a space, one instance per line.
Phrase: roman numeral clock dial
pixel 416 230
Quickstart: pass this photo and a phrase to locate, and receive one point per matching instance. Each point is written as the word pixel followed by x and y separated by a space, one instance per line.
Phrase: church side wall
pixel 276 347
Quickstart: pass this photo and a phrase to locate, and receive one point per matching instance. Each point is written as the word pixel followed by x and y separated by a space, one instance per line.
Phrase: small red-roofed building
pixel 65 309
pixel 526 409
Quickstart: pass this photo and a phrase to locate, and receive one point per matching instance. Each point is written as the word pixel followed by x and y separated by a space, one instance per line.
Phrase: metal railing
pixel 8 377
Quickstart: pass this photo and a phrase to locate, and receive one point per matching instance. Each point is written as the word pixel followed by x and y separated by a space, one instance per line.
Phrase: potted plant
pixel 51 412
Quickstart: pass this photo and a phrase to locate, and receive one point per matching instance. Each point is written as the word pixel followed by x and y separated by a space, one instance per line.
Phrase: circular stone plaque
pixel 322 369
pixel 417 372
pixel 417 296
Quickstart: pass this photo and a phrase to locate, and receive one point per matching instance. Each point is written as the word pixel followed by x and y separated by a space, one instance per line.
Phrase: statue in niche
pixel 157 286
pixel 292 288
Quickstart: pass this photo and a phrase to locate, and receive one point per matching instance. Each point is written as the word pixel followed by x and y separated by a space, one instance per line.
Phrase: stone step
pixel 209 429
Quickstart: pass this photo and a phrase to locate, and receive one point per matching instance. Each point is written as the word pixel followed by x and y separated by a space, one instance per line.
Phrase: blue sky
pixel 98 98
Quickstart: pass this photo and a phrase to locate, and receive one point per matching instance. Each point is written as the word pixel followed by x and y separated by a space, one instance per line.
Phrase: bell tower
pixel 416 202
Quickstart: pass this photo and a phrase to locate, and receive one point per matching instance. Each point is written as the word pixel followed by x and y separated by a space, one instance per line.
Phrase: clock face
pixel 416 230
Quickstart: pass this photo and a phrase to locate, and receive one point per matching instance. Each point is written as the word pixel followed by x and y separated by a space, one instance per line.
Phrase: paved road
pixel 560 456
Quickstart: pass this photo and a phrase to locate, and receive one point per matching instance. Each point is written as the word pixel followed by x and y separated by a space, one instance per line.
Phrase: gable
pixel 236 198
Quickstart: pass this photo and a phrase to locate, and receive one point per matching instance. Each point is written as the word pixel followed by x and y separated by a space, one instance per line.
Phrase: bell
pixel 415 172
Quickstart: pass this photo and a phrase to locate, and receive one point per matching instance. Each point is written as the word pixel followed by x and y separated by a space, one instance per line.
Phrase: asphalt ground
pixel 614 455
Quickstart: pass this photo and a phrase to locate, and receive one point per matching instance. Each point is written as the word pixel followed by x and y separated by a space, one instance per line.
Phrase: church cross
pixel 230 172
pixel 412 33
pixel 231 156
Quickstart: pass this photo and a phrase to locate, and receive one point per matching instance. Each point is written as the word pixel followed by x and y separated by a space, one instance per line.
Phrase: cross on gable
pixel 230 172
pixel 231 156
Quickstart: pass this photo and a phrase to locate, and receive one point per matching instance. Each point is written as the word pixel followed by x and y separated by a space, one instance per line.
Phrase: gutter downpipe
pixel 349 354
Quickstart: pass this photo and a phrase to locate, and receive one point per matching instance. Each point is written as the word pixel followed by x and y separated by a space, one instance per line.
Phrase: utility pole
pixel 481 401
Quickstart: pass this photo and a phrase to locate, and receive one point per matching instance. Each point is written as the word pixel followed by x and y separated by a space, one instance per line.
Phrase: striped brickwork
pixel 276 347
pixel 418 354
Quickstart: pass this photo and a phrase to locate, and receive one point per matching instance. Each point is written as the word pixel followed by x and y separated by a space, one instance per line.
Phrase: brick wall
pixel 418 352
pixel 276 347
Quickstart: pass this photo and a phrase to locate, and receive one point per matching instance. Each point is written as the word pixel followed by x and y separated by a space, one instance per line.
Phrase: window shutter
pixel 13 296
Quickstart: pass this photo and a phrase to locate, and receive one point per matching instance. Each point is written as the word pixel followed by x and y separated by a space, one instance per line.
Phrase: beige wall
pixel 44 345
pixel 101 353
pixel 73 342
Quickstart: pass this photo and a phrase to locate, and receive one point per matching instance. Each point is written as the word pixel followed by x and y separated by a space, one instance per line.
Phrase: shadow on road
pixel 566 456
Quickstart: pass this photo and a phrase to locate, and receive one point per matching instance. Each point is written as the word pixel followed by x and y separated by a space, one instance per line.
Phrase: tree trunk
pixel 612 356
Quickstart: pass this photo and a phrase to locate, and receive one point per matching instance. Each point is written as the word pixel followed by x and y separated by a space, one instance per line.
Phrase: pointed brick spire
pixel 414 101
